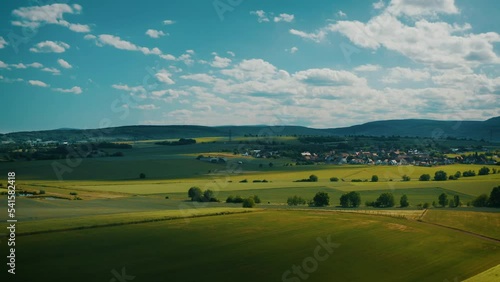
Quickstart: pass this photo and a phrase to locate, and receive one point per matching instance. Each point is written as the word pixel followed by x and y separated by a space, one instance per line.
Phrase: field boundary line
pixel 131 222
pixel 462 231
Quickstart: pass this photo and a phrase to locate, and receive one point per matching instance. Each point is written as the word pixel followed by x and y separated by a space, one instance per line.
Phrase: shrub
pixel 256 199
pixel 406 178
pixel 356 180
pixel 334 179
pixel 42 192
pixel 230 199
pixel 249 203
pixel 426 206
pixel 374 178
pixel 469 173
pixel 458 174
pixel 424 177
pixel 243 181
pixel 73 193
pixel 296 200
pixel 403 202
pixel 481 201
pixel 142 175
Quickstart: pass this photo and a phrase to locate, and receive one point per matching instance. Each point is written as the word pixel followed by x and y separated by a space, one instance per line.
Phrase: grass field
pixel 258 246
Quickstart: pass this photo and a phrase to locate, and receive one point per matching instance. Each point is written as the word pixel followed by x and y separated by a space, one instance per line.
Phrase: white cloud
pixel 168 57
pixel 131 89
pixel 35 16
pixel 422 7
pixel 186 58
pixel 3 65
pixel 316 36
pixel 147 107
pixel 341 14
pixel 38 83
pixel 50 47
pixel 200 77
pixel 399 74
pixel 284 18
pixel 378 5
pixel 261 16
pixel 220 62
pixel 75 90
pixel 168 22
pixel 329 77
pixel 367 68
pixel 54 71
pixel 155 33
pixel 19 66
pixel 164 76
pixel 35 65
pixel 294 50
pixel 89 37
pixel 64 64
pixel 435 43
pixel 232 54
pixel 3 43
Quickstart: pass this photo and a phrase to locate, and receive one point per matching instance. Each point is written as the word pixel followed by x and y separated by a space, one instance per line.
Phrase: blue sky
pixel 317 63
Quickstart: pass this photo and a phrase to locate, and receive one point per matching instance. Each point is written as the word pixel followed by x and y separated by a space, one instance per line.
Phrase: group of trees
pixel 182 141
pixel 197 195
pixel 452 203
pixel 350 200
pixel 442 175
pixel 247 202
pixel 492 201
pixel 312 178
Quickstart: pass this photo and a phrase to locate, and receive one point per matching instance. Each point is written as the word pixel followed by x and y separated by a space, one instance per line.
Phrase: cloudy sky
pixel 315 63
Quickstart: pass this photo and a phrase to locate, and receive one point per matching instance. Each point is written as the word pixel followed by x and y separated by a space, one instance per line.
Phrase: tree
pixel 481 201
pixel 142 175
pixel 248 203
pixel 209 196
pixel 451 203
pixel 321 199
pixel 195 193
pixel 406 178
pixel 458 174
pixel 296 200
pixel 313 178
pixel 440 176
pixel 403 202
pixel 425 177
pixel 230 199
pixel 443 199
pixel 374 178
pixel 271 164
pixel 495 197
pixel 334 179
pixel 456 200
pixel 385 200
pixel 351 199
pixel 484 171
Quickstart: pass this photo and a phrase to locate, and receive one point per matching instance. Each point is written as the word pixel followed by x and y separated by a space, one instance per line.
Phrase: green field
pixel 259 246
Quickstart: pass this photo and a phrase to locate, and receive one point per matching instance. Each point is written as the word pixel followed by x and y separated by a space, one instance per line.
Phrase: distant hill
pixel 410 127
pixel 426 128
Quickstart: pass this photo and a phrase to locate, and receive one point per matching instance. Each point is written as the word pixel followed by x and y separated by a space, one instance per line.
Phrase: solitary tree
pixel 425 177
pixel 321 199
pixel 374 178
pixel 142 175
pixel 443 199
pixel 404 201
pixel 484 171
pixel 249 203
pixel 406 178
pixel 440 176
pixel 385 200
pixel 456 201
pixel 313 178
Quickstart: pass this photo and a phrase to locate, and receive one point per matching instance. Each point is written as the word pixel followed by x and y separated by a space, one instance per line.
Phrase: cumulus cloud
pixel 50 47
pixel 422 7
pixel 155 33
pixel 284 18
pixel 341 14
pixel 3 65
pixel 164 76
pixel 64 64
pixel 168 22
pixel 75 90
pixel 38 83
pixel 148 107
pixel 36 16
pixel 314 36
pixel 54 71
pixel 261 16
pixel 367 68
pixel 378 5
pixel 220 62
pixel 398 74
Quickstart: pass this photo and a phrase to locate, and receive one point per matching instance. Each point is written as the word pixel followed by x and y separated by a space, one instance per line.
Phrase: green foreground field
pixel 259 246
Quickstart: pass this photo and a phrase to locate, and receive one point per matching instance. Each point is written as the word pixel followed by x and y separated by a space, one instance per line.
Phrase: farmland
pixel 135 222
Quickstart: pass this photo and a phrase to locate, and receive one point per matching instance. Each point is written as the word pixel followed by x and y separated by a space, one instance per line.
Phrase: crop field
pixel 260 246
